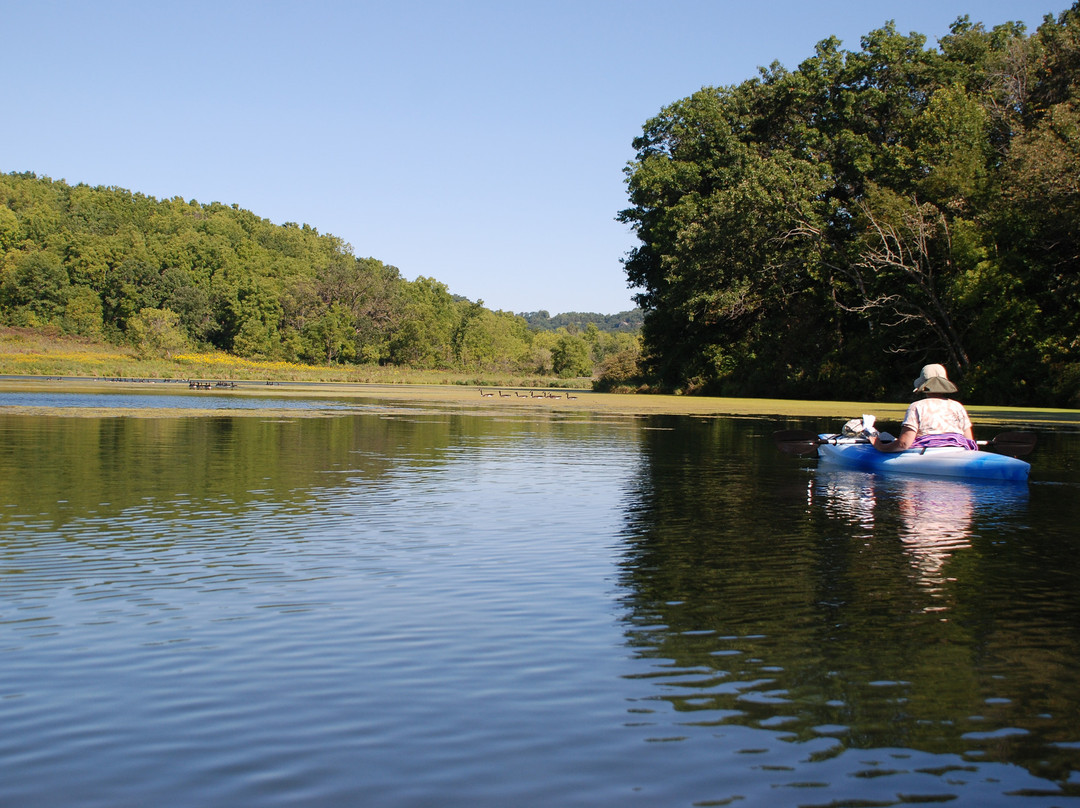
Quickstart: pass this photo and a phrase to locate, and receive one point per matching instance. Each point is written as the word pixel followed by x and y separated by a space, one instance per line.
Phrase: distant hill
pixel 625 321
pixel 168 276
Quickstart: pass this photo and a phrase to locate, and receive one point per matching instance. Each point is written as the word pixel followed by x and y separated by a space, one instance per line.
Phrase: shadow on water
pixel 850 611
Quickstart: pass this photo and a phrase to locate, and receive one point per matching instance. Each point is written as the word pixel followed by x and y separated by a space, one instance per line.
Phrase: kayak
pixel 945 461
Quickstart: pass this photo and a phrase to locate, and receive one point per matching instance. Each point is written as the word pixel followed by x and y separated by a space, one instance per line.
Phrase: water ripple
pixel 474 611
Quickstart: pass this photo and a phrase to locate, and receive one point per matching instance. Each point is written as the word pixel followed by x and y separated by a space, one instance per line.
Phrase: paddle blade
pixel 1013 444
pixel 796 441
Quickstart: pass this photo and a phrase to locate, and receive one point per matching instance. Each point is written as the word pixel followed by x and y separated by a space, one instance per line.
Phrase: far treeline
pixel 169 276
pixel 823 232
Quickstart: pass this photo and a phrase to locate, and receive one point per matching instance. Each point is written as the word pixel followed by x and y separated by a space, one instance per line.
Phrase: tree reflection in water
pixel 877 613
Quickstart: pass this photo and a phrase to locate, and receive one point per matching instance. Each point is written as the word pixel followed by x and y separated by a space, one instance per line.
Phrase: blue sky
pixel 481 143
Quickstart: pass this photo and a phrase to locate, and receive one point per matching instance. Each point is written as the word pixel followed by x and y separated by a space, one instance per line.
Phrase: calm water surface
pixel 502 608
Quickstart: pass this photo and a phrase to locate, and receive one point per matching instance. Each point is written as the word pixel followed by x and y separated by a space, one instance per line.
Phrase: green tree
pixel 904 276
pixel 725 218
pixel 82 313
pixel 191 302
pixel 620 371
pixel 823 231
pixel 952 149
pixel 424 336
pixel 157 332
pixel 331 336
pixel 9 229
pixel 251 319
pixel 490 340
pixel 570 357
pixel 1040 217
pixel 37 289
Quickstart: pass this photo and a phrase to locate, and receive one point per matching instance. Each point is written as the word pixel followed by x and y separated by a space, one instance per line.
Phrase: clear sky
pixel 478 142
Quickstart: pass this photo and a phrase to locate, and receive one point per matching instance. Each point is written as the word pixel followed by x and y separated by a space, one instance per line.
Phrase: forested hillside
pixel 824 231
pixel 628 321
pixel 168 275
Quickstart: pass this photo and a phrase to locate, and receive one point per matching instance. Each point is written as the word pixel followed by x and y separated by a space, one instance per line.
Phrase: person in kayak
pixel 935 420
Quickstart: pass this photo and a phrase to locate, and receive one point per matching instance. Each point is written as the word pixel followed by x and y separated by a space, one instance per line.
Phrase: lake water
pixel 499 608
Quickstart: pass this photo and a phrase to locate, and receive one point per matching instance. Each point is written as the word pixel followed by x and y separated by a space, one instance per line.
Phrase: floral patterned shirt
pixel 936 416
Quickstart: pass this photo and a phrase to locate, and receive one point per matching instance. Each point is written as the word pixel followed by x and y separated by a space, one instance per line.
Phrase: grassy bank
pixel 27 352
pixel 96 366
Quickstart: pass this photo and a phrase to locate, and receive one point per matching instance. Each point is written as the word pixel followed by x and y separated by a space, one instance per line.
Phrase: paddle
pixel 802 442
pixel 797 441
pixel 1012 444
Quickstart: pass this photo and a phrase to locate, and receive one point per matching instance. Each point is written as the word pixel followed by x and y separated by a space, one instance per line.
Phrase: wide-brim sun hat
pixel 933 379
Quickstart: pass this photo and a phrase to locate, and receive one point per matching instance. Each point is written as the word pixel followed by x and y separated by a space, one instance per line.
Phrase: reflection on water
pixel 933 517
pixel 858 618
pixel 936 522
pixel 400 609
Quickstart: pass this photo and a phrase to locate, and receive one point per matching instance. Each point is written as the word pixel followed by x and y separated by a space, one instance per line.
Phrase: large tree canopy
pixel 824 232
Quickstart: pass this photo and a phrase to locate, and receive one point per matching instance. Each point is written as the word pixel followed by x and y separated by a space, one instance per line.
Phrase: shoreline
pixel 518 400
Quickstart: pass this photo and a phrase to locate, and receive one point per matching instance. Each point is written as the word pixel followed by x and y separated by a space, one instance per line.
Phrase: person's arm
pixel 907 437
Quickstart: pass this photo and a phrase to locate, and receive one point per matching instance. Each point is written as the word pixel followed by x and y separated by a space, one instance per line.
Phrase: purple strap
pixel 944 439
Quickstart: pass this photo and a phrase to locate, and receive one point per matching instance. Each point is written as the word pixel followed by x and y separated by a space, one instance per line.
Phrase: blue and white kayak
pixel 945 461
